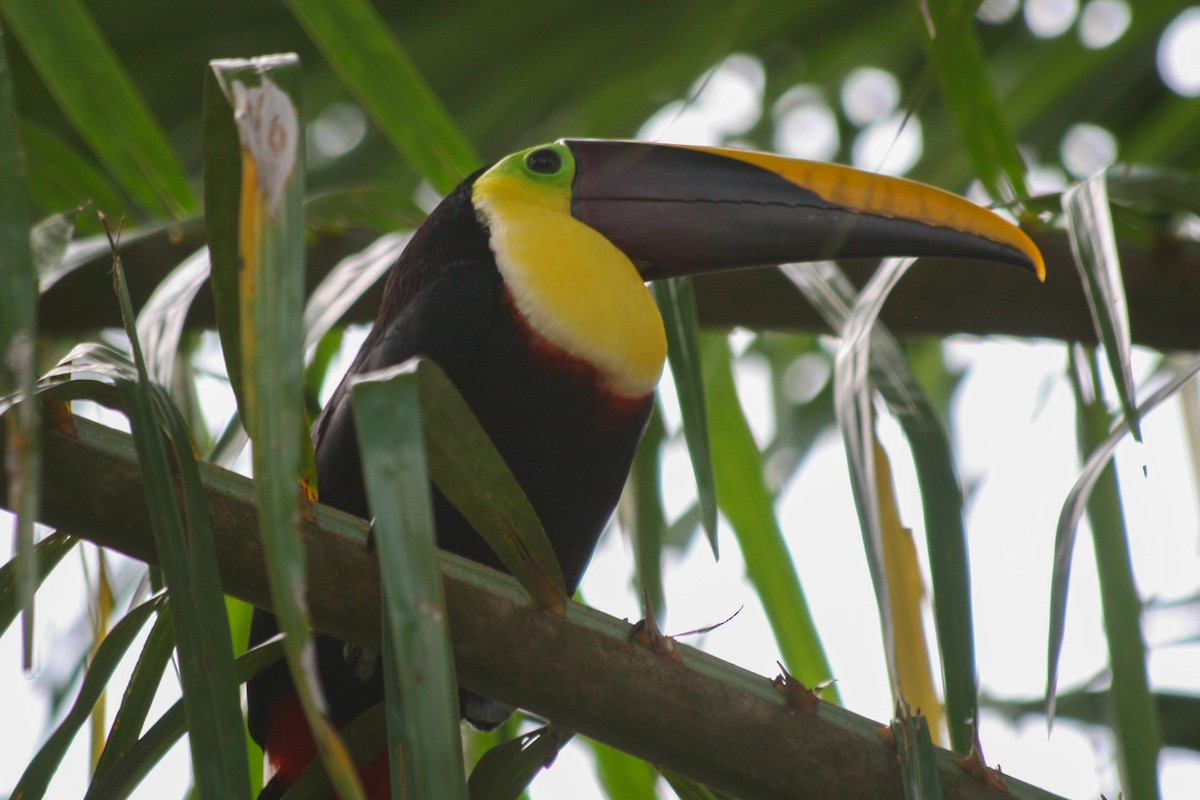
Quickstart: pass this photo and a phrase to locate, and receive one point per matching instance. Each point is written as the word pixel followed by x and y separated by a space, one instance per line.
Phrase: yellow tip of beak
pixel 887 196
pixel 1026 246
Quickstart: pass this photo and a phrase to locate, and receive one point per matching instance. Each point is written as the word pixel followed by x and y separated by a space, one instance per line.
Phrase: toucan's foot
pixel 483 712
pixel 798 696
pixel 647 633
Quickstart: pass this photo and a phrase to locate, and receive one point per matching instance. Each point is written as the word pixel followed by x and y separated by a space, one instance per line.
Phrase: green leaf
pixel 418 666
pixel 676 300
pixel 906 582
pixel 1153 190
pixel 188 563
pixel 41 769
pixel 687 789
pixel 139 693
pixel 1136 727
pixel 856 422
pixel 467 469
pixel 506 770
pixel 136 762
pixel 241 614
pixel 60 177
pixel 50 551
pixel 92 254
pixel 1177 712
pixel 832 293
pixel 918 758
pixel 374 66
pixel 1094 246
pixel 1072 513
pixel 948 32
pixel 160 323
pixel 255 149
pixel 641 511
pixel 21 452
pixel 622 775
pixel 100 100
pixel 222 193
pixel 749 506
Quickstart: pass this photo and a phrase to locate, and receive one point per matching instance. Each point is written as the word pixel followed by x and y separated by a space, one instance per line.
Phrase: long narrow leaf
pixel 1177 712
pixel 1072 513
pixel 102 602
pixel 1094 246
pixel 41 769
pixel 139 693
pixel 96 94
pixel 222 195
pixel 189 566
pixel 856 420
pixel 1135 718
pixel 918 758
pixel 136 762
pixel 51 241
pixel 907 587
pixel 60 176
pixel 677 301
pixel 941 494
pixel 94 253
pixel 50 551
pixel 466 467
pixel 359 207
pixel 21 452
pixel 161 320
pixel 424 748
pixel 372 63
pixel 506 770
pixel 641 512
pixel 222 190
pixel 952 42
pixel 261 97
pixel 855 416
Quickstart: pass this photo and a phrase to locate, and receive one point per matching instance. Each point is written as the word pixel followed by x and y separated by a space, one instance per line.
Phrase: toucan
pixel 527 286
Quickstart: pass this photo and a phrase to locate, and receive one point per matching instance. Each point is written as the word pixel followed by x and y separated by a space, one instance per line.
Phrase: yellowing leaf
pixel 906 590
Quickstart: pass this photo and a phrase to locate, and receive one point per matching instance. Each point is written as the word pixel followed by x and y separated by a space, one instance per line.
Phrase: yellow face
pixel 570 284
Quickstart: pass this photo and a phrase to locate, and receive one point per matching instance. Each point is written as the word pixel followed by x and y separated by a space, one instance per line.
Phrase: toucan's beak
pixel 680 210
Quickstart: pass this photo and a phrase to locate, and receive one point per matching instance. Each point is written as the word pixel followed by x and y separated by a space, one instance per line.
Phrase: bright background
pixel 1013 423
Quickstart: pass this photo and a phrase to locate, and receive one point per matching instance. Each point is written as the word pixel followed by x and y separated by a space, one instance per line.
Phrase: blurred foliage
pixel 129 139
pixel 511 78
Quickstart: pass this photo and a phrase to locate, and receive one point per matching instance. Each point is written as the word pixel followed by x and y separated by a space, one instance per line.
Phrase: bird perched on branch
pixel 526 285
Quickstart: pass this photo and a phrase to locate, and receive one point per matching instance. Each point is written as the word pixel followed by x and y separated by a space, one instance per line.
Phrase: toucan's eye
pixel 544 161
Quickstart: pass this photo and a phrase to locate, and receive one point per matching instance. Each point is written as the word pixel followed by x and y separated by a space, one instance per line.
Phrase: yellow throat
pixel 572 286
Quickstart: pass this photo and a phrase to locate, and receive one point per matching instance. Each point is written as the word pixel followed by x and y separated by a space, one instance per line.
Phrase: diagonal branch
pixel 700 717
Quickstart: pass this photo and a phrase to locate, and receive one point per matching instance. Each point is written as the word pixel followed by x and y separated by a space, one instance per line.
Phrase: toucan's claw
pixel 647 633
